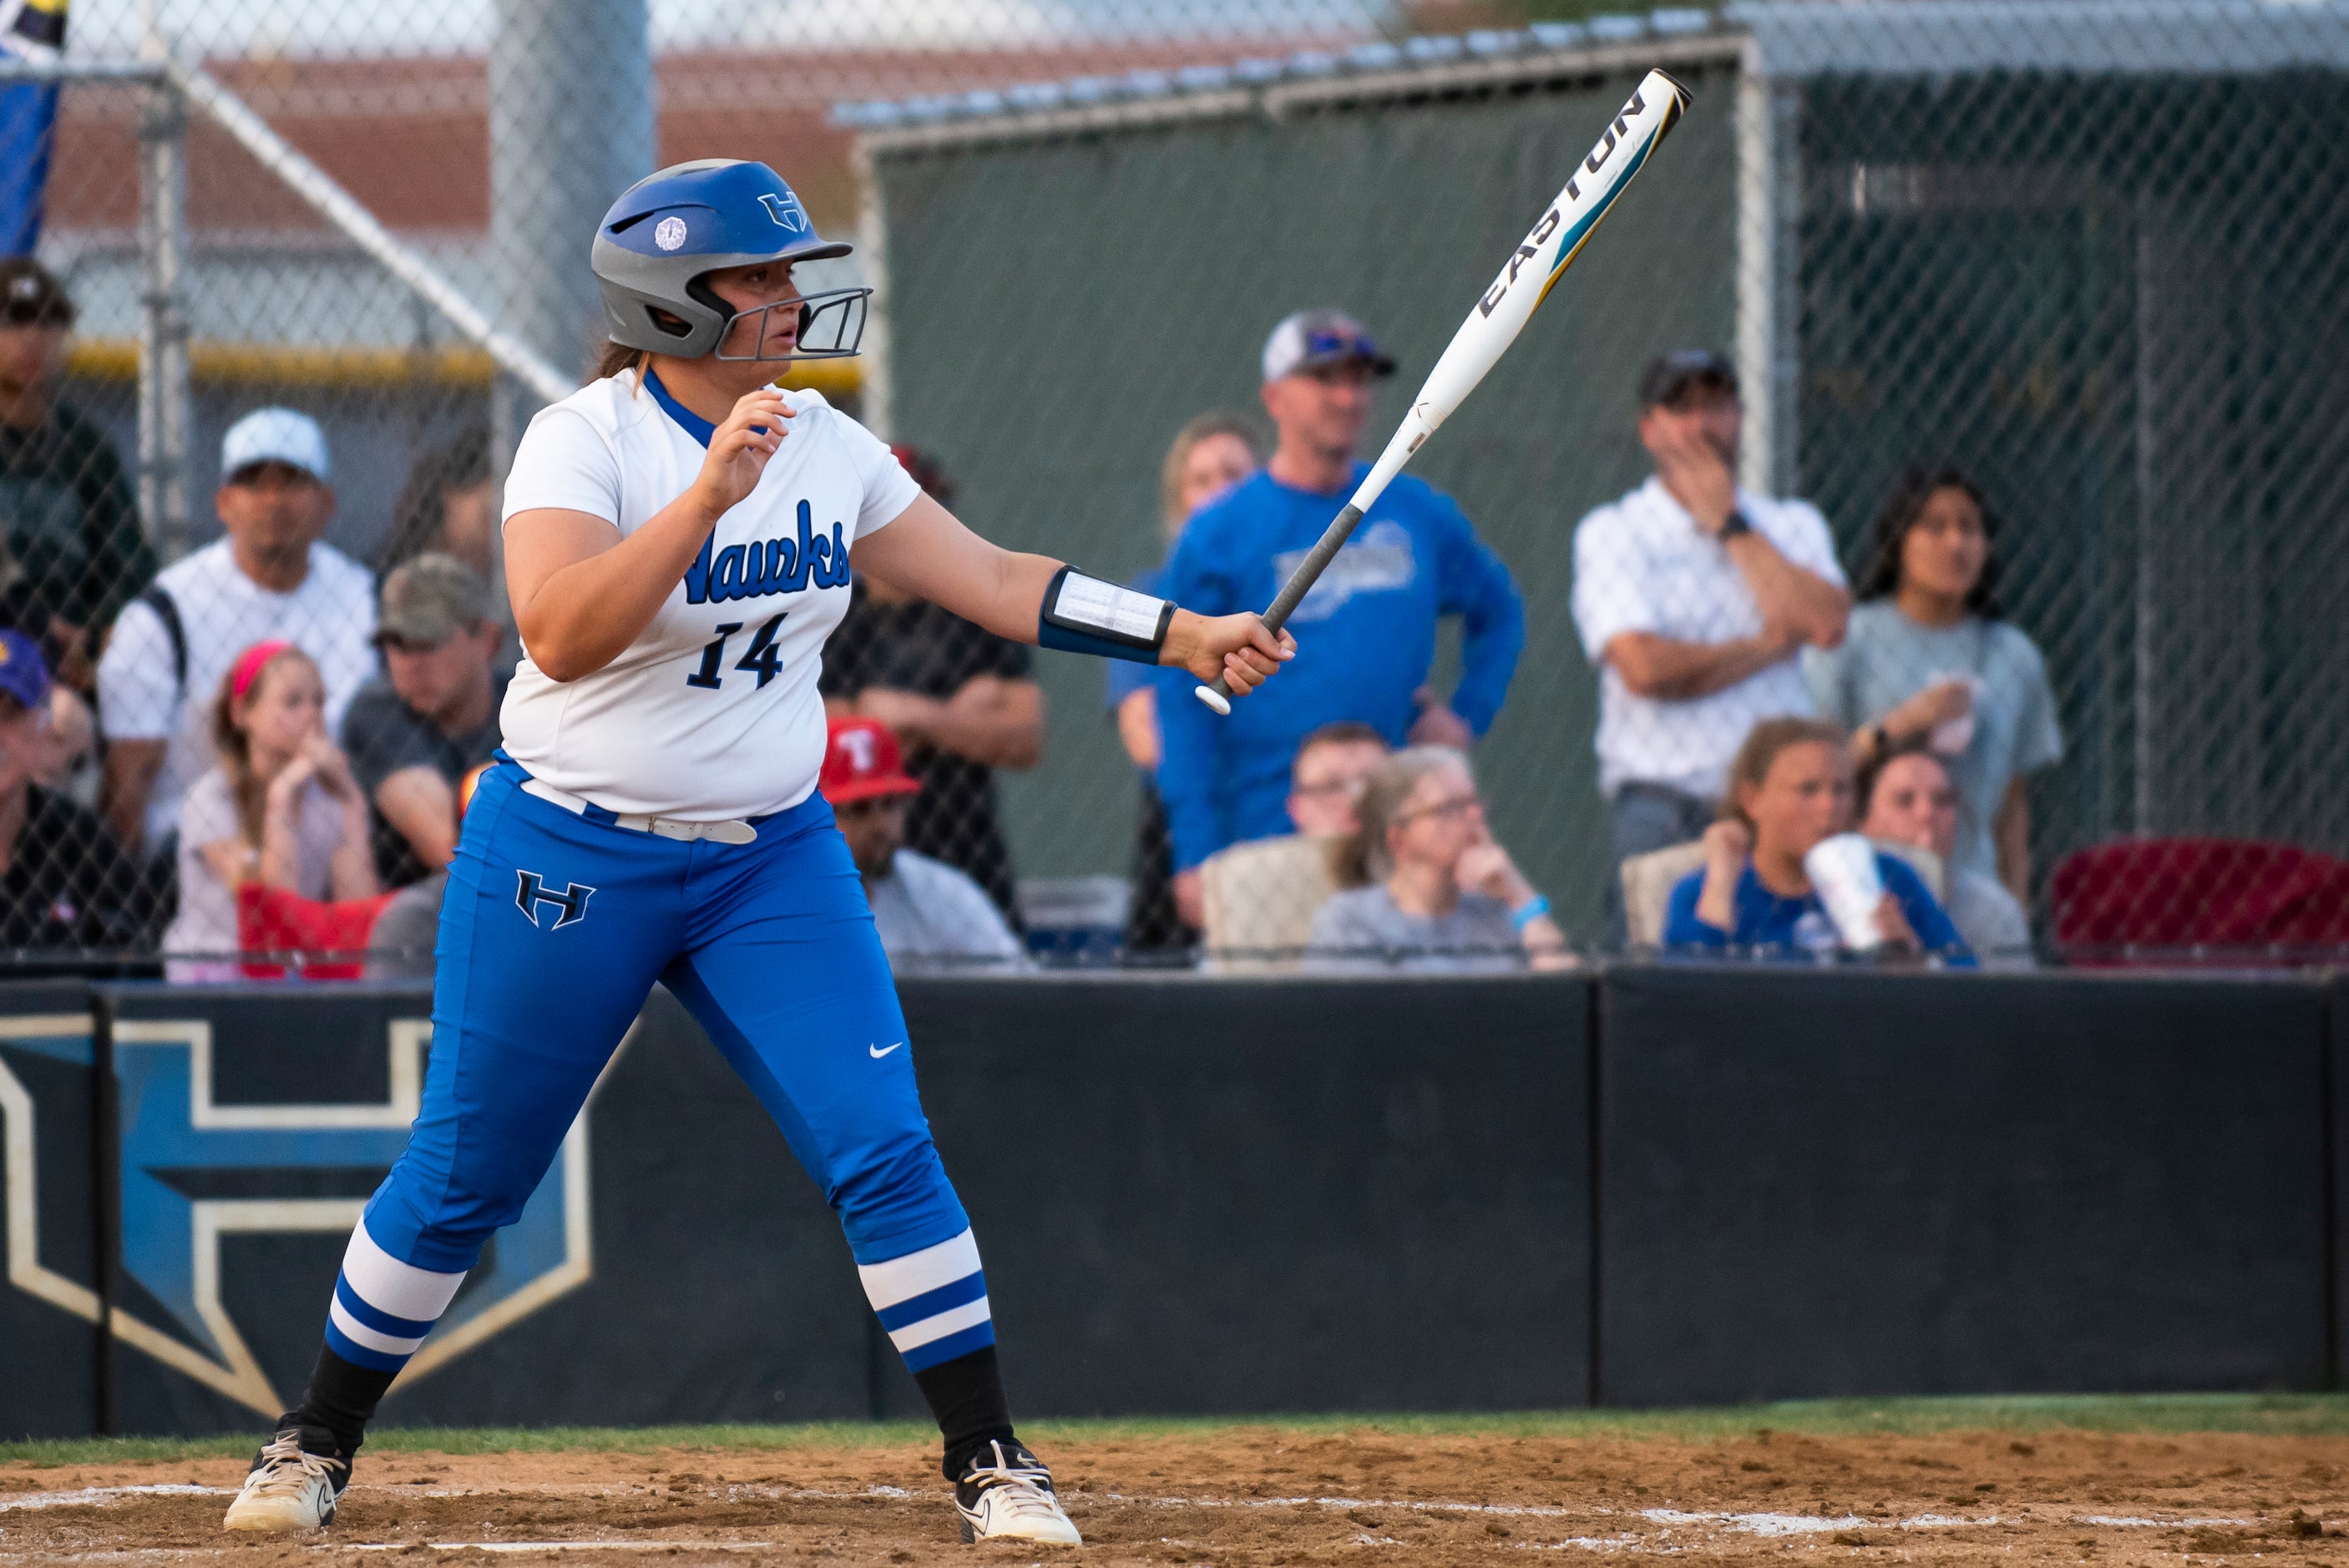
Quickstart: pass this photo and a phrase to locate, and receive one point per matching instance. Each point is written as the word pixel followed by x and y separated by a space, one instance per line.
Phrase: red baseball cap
pixel 860 761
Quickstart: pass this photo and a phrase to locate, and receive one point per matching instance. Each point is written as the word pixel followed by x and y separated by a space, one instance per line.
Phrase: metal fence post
pixel 1768 192
pixel 166 404
pixel 873 248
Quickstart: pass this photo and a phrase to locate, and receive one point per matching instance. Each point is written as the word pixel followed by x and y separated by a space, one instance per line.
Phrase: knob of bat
pixel 1214 700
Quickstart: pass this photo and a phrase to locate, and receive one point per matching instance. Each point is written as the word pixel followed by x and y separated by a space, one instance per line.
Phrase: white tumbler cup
pixel 1843 869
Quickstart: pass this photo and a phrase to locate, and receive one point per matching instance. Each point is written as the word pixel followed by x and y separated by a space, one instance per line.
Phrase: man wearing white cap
pixel 269 578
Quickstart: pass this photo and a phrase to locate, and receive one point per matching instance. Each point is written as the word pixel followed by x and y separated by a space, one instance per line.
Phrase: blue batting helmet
pixel 667 232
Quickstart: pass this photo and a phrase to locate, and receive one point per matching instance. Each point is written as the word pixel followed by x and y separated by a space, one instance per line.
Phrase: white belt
pixel 733 831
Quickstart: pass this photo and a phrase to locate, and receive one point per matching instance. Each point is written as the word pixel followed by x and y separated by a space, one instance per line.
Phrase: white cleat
pixel 289 1488
pixel 1005 1494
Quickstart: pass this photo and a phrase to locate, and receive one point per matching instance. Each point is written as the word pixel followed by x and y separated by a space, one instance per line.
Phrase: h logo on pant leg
pixel 570 904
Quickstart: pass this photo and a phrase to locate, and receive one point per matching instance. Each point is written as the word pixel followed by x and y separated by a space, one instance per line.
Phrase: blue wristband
pixel 1081 614
pixel 1533 910
pixel 1049 635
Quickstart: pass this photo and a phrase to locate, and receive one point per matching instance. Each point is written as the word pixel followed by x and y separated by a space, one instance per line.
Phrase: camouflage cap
pixel 431 599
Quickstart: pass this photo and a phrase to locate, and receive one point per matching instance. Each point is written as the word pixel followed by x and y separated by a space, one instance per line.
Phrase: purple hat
pixel 24 673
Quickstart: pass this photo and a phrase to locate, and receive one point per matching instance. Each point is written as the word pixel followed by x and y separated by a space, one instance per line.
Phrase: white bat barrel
pixel 1525 281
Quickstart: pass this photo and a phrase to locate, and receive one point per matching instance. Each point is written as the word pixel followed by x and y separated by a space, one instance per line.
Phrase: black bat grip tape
pixel 1300 582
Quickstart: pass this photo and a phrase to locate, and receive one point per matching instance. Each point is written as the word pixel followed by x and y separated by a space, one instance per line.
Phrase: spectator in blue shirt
pixel 1367 631
pixel 1790 787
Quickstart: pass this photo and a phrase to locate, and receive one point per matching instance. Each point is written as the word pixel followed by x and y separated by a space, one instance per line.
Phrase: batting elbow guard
pixel 1084 614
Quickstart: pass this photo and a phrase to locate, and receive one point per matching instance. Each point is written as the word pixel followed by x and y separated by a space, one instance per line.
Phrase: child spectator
pixel 1928 659
pixel 929 915
pixel 1908 798
pixel 64 882
pixel 1429 891
pixel 1262 895
pixel 413 733
pixel 279 807
pixel 1790 787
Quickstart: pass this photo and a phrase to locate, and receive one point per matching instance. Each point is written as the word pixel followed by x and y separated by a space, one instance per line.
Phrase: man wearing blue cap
pixel 270 578
pixel 64 881
pixel 1371 620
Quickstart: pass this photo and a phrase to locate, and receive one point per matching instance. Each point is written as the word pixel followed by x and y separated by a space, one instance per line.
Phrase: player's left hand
pixel 1237 647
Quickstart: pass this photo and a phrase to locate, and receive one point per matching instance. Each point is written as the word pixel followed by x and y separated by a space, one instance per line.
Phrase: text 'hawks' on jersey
pixel 713 712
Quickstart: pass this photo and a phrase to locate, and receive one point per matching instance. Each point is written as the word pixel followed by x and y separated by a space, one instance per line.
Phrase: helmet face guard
pixel 826 326
pixel 657 245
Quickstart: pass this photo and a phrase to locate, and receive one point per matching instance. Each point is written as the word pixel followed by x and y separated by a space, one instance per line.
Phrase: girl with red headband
pixel 279 808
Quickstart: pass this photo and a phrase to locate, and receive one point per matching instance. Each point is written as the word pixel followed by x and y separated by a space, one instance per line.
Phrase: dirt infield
pixel 1262 1496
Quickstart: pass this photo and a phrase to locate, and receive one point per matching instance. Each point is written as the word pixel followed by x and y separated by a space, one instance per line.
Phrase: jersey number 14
pixel 760 659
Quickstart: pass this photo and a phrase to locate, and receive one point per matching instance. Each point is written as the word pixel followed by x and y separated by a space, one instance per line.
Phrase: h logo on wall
pixel 182 1150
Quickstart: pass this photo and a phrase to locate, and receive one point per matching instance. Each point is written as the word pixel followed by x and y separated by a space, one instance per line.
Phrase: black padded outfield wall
pixel 1855 1183
pixel 1236 1198
pixel 1226 1197
pixel 1190 1197
pixel 49 1311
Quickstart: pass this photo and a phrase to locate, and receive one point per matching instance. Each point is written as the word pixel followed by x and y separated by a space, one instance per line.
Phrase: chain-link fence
pixel 2068 262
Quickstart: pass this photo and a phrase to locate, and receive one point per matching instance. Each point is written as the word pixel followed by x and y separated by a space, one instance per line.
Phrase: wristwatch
pixel 1734 525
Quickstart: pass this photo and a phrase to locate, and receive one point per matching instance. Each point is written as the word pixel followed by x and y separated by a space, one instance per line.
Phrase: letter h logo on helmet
pixel 784 207
pixel 570 904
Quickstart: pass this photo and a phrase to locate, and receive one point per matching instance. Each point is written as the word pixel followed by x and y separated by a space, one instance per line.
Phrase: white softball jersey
pixel 713 712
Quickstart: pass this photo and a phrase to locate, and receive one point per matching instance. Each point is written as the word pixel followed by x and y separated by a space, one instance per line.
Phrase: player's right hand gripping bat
pixel 1655 106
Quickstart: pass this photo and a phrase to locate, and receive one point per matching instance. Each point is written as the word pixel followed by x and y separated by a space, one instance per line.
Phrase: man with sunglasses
pixel 71 554
pixel 1370 622
pixel 413 733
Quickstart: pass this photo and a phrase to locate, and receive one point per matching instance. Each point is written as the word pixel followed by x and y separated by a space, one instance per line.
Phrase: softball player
pixel 677 538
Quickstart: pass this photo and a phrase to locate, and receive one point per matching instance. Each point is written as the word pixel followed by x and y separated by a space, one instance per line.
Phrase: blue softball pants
pixel 554 928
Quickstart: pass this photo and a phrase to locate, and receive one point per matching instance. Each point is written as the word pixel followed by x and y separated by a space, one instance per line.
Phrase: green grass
pixel 2310 1415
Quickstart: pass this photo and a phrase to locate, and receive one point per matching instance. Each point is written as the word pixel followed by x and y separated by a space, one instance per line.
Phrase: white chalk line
pixel 557 1546
pixel 92 1494
pixel 1768 1525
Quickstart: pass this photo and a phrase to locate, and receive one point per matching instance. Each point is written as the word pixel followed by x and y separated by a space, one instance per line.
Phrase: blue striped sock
pixel 932 1302
pixel 383 1308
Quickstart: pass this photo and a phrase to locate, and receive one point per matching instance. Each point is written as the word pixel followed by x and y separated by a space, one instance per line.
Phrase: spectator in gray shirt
pixel 930 916
pixel 1927 659
pixel 1429 891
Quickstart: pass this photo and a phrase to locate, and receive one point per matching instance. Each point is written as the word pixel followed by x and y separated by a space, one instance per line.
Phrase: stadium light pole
pixel 571 125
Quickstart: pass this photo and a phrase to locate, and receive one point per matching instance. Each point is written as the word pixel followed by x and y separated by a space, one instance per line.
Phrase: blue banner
pixel 29 30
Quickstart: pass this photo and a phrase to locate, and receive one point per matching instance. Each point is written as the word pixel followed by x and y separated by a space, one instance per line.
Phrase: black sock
pixel 341 1397
pixel 965 1394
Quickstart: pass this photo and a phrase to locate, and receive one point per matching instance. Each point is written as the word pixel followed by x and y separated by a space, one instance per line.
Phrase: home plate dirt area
pixel 1263 1495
